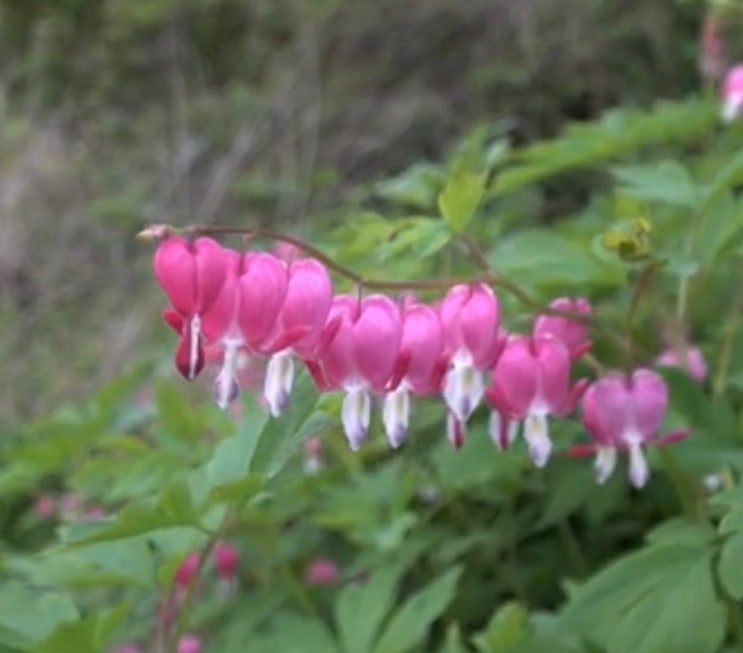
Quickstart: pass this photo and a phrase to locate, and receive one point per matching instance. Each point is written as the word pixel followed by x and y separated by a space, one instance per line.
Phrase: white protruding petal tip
pixel 463 390
pixel 503 431
pixel 355 415
pixel 606 461
pixel 639 471
pixel 732 107
pixel 395 415
pixel 537 439
pixel 278 382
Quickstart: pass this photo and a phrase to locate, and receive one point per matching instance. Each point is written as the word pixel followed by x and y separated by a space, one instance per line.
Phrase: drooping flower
pixel 531 381
pixel 226 560
pixel 712 57
pixel 470 317
pixel 687 358
pixel 624 412
pixel 572 332
pixel 185 572
pixel 298 327
pixel 420 367
pixel 321 571
pixel 192 275
pixel 732 93
pixel 360 357
pixel 189 644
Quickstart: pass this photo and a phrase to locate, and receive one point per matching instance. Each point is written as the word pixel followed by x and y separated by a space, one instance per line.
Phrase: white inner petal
pixel 396 414
pixel 463 390
pixel 278 382
pixel 496 428
pixel 604 464
pixel 732 107
pixel 639 472
pixel 193 346
pixel 355 415
pixel 536 433
pixel 227 387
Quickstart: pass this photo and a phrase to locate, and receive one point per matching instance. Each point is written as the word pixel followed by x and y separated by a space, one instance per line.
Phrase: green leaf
pixel 667 182
pixel 551 261
pixel 730 564
pixel 32 615
pixel 414 188
pixel 295 634
pixel 176 503
pixel 508 628
pixel 460 198
pixel 282 437
pixel 454 642
pixel 360 609
pixel 661 598
pixel 233 456
pixel 409 625
pixel 88 635
pixel 134 519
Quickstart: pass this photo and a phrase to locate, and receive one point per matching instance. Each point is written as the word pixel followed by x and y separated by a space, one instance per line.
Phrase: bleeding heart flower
pixel 361 356
pixel 470 317
pixel 623 412
pixel 420 367
pixel 689 359
pixel 573 333
pixel 298 327
pixel 732 93
pixel 189 644
pixel 321 571
pixel 531 381
pixel 192 275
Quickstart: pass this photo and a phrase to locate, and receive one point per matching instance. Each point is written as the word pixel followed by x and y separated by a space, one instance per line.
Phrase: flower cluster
pixel 258 304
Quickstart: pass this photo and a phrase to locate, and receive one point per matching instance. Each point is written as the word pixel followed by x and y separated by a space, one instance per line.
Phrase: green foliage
pixel 435 550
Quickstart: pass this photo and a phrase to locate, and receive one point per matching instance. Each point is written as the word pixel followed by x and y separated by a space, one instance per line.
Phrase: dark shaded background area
pixel 120 112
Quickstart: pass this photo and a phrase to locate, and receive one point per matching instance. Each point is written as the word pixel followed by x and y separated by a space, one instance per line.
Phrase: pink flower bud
pixel 45 506
pixel 531 381
pixel 189 644
pixel 571 332
pixel 187 570
pixel 624 413
pixel 226 559
pixel 361 356
pixel 732 93
pixel 689 359
pixel 712 58
pixel 321 571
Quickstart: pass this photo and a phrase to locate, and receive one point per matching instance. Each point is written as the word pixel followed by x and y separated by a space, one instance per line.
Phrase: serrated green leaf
pixel 460 198
pixel 667 181
pixel 508 628
pixel 408 626
pixel 32 615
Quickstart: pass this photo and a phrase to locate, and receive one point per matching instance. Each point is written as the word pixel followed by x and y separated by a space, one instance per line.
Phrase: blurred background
pixel 117 113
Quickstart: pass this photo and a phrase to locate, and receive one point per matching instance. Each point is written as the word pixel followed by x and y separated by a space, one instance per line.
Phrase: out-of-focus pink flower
pixel 321 571
pixel 313 459
pixel 189 644
pixel 419 368
pixel 689 359
pixel 361 356
pixel 191 274
pixel 531 381
pixel 470 317
pixel 712 58
pixel 573 333
pixel 287 252
pixel 623 412
pixel 226 559
pixel 186 571
pixel 732 93
pixel 127 648
pixel 45 506
pixel 298 327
